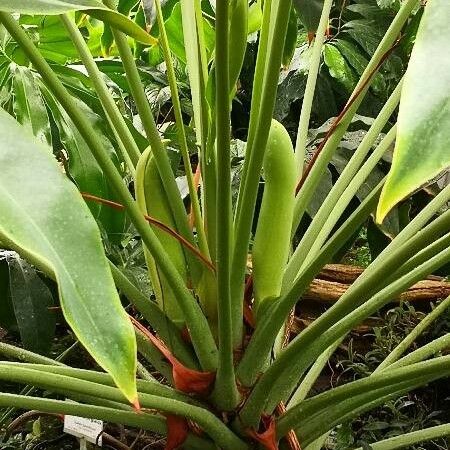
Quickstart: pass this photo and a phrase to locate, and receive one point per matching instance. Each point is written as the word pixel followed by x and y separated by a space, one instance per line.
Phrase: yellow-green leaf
pixel 422 149
pixel 94 8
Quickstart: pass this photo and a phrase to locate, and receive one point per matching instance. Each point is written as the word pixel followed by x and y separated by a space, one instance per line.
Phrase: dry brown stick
pixel 347 274
pixel 325 291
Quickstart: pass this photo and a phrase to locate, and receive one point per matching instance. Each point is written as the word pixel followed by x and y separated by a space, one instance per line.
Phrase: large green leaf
pixel 43 217
pixel 94 8
pixel 422 148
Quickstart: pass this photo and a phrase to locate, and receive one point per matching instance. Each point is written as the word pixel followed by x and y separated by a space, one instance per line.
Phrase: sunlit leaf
pixel 422 148
pixel 338 67
pixel 94 8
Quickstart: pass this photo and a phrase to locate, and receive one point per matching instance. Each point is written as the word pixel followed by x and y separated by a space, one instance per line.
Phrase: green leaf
pixel 29 107
pixel 254 17
pixel 338 67
pixel 50 37
pixel 94 8
pixel 367 33
pixel 388 3
pixel 359 62
pixel 174 29
pixel 44 218
pixel 422 149
pixel 48 6
pixel 31 300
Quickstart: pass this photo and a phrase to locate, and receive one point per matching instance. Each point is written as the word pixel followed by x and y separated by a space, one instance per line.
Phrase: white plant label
pixel 88 429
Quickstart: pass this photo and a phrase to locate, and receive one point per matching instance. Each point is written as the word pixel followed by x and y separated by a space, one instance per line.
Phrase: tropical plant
pixel 243 383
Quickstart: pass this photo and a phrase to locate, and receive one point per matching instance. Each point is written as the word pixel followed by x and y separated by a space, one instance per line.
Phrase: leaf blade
pixel 43 216
pixel 422 148
pixel 94 8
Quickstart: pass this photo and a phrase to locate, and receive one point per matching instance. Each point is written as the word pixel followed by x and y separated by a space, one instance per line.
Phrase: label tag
pixel 88 429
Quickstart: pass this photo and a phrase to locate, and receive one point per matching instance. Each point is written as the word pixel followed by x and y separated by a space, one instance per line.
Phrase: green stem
pixel 309 186
pixel 388 272
pixel 409 233
pixel 140 421
pixel 310 89
pixel 334 197
pixel 226 394
pixel 163 326
pixel 409 439
pixel 324 332
pixel 416 356
pixel 201 335
pixel 164 42
pixel 158 149
pixel 143 373
pixel 325 421
pixel 29 390
pixel 318 232
pixel 424 352
pixel 312 375
pixel 257 91
pixel 145 387
pixel 401 348
pixel 89 411
pixel 318 405
pixel 244 218
pixel 266 331
pixel 217 430
pixel 112 111
pixel 152 355
pixel 20 354
pixel 197 67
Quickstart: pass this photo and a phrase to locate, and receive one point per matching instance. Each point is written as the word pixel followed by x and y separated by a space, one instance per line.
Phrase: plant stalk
pixel 244 219
pixel 310 183
pixel 226 394
pixel 164 42
pixel 201 335
pixel 310 89
pixel 112 111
